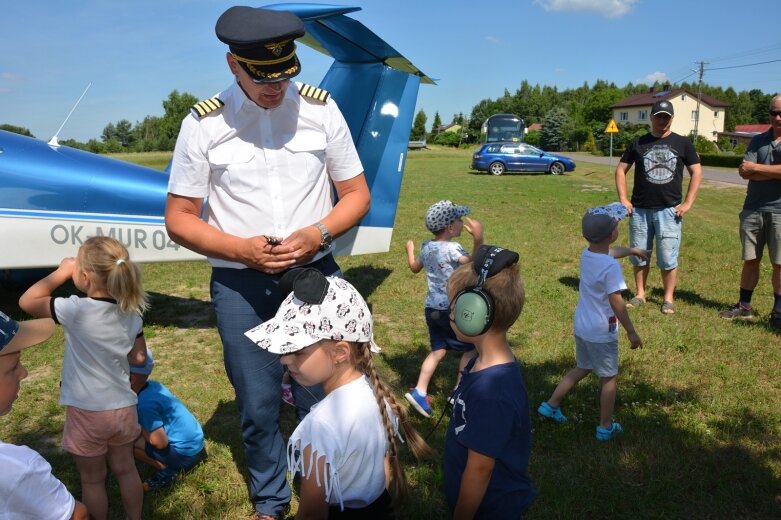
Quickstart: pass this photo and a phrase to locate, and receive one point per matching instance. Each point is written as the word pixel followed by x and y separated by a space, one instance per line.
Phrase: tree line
pixel 150 135
pixel 575 118
pixel 572 119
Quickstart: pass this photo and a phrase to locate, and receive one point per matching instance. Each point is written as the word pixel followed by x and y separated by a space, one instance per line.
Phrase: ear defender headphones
pixel 473 308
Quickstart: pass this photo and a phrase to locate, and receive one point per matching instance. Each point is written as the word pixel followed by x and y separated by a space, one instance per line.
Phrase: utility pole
pixel 699 94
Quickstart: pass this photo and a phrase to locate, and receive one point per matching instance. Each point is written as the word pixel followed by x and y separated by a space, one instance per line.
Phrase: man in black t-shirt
pixel 656 211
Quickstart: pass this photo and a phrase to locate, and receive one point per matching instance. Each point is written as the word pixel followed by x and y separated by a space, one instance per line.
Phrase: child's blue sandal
pixel 604 434
pixel 552 413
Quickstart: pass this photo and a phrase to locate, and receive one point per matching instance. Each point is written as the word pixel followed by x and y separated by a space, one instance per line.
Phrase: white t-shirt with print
pixel 600 276
pixel 440 259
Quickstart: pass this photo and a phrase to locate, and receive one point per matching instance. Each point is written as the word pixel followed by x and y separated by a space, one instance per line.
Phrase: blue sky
pixel 135 53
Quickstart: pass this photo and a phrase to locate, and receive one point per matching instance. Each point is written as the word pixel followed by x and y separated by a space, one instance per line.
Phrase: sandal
pixel 634 303
pixel 668 308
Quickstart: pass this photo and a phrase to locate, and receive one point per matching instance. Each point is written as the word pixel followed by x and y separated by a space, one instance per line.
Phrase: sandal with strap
pixel 668 308
pixel 634 303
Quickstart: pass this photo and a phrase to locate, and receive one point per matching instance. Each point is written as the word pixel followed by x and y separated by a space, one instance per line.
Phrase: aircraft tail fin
pixel 376 89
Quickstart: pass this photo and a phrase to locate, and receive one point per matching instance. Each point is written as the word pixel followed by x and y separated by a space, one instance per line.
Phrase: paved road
pixel 710 174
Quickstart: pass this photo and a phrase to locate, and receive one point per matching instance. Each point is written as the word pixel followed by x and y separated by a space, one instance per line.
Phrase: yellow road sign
pixel 612 128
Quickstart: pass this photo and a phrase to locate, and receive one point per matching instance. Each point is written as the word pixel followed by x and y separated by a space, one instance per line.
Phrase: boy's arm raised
pixel 474 228
pixel 474 482
pixel 619 308
pixel 35 300
pixel 415 265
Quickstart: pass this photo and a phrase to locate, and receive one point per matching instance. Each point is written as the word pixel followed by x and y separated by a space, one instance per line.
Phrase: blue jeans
pixel 660 224
pixel 244 298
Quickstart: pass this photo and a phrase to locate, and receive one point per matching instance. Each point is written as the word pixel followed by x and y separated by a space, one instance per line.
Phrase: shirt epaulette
pixel 314 92
pixel 202 108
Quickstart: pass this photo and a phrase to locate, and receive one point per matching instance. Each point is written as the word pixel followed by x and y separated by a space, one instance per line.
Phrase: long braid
pixel 383 395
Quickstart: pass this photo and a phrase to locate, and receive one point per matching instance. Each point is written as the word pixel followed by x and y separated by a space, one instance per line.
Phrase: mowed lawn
pixel 699 404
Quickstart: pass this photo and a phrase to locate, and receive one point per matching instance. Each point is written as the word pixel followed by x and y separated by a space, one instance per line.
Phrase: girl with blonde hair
pixel 103 336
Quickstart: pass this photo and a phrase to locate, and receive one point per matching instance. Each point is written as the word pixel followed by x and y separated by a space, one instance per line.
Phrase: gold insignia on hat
pixel 266 62
pixel 202 108
pixel 314 92
pixel 276 47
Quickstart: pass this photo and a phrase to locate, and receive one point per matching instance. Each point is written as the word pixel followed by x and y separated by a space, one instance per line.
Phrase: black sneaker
pixel 158 481
pixel 738 311
pixel 775 319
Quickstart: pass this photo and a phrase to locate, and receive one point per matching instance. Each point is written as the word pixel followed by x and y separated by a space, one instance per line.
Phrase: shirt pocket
pixel 306 153
pixel 233 165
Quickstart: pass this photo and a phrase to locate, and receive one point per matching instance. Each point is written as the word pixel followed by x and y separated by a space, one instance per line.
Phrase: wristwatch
pixel 325 236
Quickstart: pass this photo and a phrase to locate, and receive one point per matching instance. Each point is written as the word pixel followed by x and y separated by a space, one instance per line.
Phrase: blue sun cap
pixel 599 222
pixel 443 213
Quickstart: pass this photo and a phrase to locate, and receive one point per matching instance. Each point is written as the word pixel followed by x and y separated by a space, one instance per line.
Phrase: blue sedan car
pixel 497 158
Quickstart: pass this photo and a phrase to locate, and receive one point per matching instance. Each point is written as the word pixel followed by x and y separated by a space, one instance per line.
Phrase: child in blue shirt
pixel 171 437
pixel 440 257
pixel 488 440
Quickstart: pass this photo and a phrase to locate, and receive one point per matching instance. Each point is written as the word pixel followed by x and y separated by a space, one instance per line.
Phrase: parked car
pixel 497 158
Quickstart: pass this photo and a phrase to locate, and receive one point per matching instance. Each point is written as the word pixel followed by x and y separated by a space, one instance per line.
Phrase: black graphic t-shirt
pixel 659 164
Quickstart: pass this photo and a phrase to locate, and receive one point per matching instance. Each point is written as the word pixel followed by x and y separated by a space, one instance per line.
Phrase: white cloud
pixel 492 40
pixel 650 79
pixel 607 8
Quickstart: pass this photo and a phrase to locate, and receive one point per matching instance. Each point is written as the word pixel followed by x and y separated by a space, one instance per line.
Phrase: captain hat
pixel 262 41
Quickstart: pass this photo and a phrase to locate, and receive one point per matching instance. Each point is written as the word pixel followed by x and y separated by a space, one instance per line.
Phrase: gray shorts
pixel 600 358
pixel 758 228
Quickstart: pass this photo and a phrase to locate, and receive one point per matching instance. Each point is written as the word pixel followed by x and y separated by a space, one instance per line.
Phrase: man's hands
pixel 273 255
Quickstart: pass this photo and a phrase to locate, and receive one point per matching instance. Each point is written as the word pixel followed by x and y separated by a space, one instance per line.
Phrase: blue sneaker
pixel 419 402
pixel 552 413
pixel 605 435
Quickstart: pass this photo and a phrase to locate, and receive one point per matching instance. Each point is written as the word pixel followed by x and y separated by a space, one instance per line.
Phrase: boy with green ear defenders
pixel 488 440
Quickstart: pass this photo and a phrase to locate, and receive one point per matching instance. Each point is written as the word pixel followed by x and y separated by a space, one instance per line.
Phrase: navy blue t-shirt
pixel 491 416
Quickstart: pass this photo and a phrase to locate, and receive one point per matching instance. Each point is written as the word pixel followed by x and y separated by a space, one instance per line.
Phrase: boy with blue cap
pixel 600 308
pixel 171 437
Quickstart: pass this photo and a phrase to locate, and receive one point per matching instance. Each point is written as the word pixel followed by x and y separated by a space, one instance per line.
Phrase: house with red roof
pixel 744 133
pixel 709 120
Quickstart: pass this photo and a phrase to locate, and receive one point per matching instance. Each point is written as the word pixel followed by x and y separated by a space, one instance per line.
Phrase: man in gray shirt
pixel 760 220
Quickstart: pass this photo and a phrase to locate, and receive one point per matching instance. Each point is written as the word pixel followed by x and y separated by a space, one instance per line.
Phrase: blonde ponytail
pixel 108 259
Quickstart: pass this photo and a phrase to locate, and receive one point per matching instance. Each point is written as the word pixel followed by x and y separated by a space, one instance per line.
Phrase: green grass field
pixel 698 403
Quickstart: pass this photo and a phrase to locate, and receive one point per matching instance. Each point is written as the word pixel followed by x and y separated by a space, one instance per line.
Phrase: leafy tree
pixel 16 130
pixel 95 146
pixel 760 104
pixel 147 135
pixel 703 145
pixel 591 144
pixel 124 133
pixel 553 127
pixel 533 138
pixel 176 107
pixel 109 133
pixel 418 132
pixel 436 124
pixel 448 139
